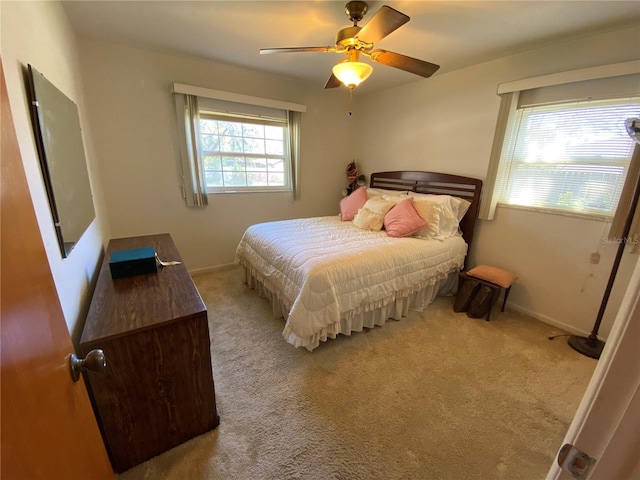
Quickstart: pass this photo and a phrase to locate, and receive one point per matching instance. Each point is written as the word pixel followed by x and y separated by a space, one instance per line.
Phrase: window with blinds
pixel 569 157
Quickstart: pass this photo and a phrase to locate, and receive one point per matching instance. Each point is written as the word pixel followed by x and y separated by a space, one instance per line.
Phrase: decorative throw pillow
pixel 493 274
pixel 403 220
pixel 430 211
pixel 371 215
pixel 368 220
pixel 350 205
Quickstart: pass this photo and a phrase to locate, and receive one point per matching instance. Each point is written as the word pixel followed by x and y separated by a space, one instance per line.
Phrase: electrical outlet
pixel 594 258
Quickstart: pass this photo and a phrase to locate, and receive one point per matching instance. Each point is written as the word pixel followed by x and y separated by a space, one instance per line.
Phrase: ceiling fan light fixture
pixel 352 74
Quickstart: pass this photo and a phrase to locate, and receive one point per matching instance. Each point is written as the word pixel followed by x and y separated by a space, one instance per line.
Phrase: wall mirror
pixel 58 136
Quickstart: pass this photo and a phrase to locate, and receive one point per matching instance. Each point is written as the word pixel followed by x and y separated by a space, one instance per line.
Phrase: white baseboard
pixel 551 321
pixel 217 268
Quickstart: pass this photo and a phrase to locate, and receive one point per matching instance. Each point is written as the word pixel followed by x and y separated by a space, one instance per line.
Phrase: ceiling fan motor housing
pixel 346 36
pixel 356 10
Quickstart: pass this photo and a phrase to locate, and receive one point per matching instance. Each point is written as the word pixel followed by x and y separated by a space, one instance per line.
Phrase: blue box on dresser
pixel 137 261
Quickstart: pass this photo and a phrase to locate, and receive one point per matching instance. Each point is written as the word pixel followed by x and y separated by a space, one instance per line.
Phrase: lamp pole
pixel 591 346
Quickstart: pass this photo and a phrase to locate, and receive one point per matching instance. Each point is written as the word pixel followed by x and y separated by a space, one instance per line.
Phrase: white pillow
pixel 451 212
pixel 463 207
pixel 430 211
pixel 371 215
pixel 458 206
pixel 395 199
pixel 448 226
pixel 379 192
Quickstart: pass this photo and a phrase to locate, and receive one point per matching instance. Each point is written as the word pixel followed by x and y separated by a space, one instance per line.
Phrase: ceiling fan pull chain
pixel 350 100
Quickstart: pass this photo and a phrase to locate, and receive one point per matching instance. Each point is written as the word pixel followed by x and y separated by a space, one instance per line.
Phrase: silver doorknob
pixel 94 362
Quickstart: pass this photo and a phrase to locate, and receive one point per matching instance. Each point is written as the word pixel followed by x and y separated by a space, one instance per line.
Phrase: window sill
pixel 231 191
pixel 564 213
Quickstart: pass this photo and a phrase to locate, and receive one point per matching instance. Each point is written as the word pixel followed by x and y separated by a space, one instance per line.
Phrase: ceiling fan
pixel 357 40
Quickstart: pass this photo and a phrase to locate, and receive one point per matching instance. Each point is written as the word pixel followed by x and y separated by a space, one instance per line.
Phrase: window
pixel 555 147
pixel 231 142
pixel 244 152
pixel 569 157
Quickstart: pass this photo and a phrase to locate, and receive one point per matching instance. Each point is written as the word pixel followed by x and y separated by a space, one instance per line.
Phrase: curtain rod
pixel 591 73
pixel 236 97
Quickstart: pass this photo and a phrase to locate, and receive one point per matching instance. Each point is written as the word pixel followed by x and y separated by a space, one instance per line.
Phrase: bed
pixel 336 275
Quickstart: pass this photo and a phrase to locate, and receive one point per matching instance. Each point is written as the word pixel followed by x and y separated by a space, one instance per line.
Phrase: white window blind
pixel 570 157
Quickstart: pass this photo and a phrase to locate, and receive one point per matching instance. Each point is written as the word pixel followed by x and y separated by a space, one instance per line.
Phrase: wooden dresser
pixel 157 389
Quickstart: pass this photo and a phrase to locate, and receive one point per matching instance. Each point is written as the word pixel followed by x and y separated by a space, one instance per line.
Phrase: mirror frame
pixel 58 137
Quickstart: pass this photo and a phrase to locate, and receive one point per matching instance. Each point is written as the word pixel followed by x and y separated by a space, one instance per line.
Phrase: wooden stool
pixel 495 278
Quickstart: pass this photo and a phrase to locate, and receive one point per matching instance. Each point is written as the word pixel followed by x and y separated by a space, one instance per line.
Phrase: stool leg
pixel 506 294
pixel 495 293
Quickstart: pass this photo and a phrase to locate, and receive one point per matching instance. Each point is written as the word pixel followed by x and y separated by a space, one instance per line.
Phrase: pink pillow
pixel 350 205
pixel 403 220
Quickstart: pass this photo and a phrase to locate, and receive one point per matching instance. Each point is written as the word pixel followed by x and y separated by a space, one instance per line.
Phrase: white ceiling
pixel 452 34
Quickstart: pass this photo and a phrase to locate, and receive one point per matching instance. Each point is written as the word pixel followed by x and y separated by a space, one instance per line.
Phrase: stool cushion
pixel 493 274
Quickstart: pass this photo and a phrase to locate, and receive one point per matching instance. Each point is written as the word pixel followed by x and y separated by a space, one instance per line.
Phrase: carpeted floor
pixel 437 395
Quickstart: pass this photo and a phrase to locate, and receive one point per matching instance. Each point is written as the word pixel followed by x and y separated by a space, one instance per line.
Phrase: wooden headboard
pixel 438 184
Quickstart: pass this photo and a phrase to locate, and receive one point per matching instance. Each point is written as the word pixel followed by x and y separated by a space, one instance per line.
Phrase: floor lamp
pixel 591 346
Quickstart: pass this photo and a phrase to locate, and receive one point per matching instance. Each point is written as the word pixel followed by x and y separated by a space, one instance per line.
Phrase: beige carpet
pixel 436 395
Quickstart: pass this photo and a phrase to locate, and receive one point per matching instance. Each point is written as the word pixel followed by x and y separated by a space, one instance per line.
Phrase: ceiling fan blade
pixel 297 49
pixel 333 82
pixel 385 21
pixel 408 64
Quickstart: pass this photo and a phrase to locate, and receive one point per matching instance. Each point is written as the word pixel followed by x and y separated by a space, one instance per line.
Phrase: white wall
pixel 38 33
pixel 133 116
pixel 446 123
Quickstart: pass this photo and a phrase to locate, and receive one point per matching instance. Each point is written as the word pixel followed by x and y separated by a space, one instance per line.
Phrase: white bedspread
pixel 323 270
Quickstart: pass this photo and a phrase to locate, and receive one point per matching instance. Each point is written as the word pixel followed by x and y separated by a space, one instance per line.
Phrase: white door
pixel 607 424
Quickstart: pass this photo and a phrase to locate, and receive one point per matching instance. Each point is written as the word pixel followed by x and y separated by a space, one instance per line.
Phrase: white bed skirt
pixel 393 308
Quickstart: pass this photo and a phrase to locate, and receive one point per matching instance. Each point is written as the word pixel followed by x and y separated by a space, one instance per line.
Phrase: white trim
pixel 236 97
pixel 591 73
pixel 219 268
pixel 552 322
pixel 504 124
pixel 598 217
